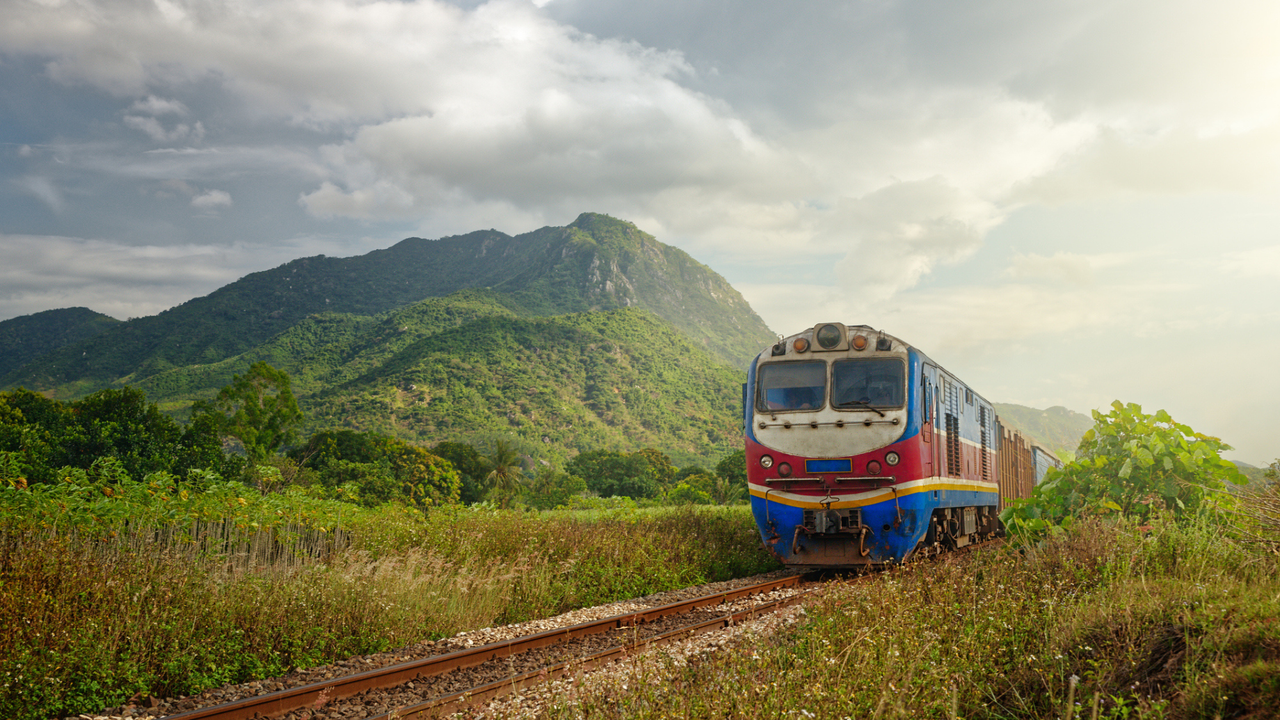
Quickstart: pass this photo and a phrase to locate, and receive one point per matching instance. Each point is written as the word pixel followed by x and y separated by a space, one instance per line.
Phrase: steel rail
pixel 483 694
pixel 287 700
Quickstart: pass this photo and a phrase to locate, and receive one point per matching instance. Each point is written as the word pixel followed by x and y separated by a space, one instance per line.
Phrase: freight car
pixel 863 451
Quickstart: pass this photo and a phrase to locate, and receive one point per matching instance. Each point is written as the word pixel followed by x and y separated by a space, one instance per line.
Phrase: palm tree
pixel 506 471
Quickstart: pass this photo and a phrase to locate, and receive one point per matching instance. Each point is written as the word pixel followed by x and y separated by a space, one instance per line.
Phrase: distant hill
pixel 591 336
pixel 23 339
pixel 1057 428
pixel 596 263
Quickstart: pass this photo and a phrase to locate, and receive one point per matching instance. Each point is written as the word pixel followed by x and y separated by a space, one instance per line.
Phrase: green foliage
pixel 688 492
pixel 470 466
pixel 257 408
pixel 733 467
pixel 373 469
pixel 48 435
pixel 619 381
pixel 23 339
pixel 1131 464
pixel 549 489
pixel 505 471
pixel 641 474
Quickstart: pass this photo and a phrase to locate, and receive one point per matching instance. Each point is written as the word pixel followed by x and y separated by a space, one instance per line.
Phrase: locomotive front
pixel 835 456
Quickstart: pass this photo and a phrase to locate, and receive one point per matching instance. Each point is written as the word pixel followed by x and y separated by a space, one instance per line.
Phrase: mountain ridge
pixel 595 263
pixel 28 337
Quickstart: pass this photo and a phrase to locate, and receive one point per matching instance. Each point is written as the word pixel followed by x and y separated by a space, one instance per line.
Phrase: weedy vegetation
pixel 153 588
pixel 1155 595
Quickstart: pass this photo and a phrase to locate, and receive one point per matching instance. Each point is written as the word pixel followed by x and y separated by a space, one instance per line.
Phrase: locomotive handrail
pixel 787 424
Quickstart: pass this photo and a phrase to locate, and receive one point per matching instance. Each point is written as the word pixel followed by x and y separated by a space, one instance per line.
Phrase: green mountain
pixel 620 380
pixel 1057 428
pixel 596 263
pixel 23 339
pixel 465 367
pixel 591 336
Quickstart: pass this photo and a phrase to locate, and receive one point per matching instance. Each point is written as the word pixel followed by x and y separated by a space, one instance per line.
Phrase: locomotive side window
pixel 869 382
pixel 792 386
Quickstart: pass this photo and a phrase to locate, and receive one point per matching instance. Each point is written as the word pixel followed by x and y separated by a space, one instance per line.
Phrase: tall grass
pixel 100 605
pixel 1171 621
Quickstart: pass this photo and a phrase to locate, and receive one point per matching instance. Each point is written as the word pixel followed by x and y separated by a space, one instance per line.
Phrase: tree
pixel 733 467
pixel 549 488
pixel 378 468
pixel 506 468
pixel 1129 463
pixel 470 466
pixel 257 408
pixel 686 493
pixel 120 423
pixel 655 465
pixel 33 427
pixel 609 474
pixel 425 479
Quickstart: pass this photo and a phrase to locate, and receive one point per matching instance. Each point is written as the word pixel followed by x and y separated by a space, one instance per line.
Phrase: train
pixel 862 451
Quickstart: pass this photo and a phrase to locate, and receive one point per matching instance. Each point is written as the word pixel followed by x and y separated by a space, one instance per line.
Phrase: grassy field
pixel 1107 621
pixel 156 590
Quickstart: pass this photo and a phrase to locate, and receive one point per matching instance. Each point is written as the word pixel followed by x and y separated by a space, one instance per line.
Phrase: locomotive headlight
pixel 892 458
pixel 859 342
pixel 828 336
pixel 784 469
pixel 802 345
pixel 873 467
pixel 766 461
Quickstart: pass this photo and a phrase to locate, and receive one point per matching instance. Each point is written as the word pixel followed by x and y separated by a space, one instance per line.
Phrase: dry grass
pixel 1106 621
pixel 89 619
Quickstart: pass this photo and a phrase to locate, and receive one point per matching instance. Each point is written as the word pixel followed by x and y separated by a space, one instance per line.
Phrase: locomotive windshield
pixel 868 382
pixel 792 386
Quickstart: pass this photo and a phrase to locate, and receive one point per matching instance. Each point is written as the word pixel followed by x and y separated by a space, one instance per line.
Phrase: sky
pixel 1065 202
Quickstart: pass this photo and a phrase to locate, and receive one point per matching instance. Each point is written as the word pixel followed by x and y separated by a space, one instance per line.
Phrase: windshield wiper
pixel 862 403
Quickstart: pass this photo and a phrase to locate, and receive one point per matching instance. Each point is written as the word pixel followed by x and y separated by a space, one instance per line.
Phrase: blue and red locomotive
pixel 862 451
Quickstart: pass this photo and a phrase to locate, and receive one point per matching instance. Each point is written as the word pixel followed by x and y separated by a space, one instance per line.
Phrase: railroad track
pixel 443 684
pixel 436 686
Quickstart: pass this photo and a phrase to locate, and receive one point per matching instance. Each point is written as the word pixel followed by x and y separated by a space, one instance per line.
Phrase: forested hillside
pixel 620 380
pixel 1057 428
pixel 596 263
pixel 593 336
pixel 23 339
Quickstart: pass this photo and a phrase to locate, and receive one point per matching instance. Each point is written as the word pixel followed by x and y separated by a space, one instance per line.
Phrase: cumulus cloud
pixel 152 105
pixel 157 131
pixel 900 232
pixel 211 199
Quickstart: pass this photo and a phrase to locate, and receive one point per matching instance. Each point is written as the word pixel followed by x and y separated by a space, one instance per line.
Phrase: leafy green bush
pixel 1131 464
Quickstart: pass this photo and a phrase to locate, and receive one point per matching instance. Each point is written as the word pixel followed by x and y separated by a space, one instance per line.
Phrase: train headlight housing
pixel 766 461
pixel 801 345
pixel 828 337
pixel 892 458
pixel 784 469
pixel 873 467
pixel 858 342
